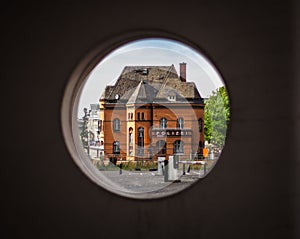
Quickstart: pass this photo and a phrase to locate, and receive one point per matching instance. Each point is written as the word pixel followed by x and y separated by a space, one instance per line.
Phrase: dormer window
pixel 172 98
pixel 145 71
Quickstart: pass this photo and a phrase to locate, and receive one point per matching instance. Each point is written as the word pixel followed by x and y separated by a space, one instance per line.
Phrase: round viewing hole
pixel 146 118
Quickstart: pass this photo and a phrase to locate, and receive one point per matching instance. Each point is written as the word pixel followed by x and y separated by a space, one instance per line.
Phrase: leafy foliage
pixel 216 117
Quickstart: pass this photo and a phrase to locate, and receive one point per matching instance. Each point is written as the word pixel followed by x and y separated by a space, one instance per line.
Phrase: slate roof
pixel 144 92
pixel 138 84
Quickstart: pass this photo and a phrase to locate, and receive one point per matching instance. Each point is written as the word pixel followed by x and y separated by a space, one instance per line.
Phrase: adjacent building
pixel 151 112
pixel 93 124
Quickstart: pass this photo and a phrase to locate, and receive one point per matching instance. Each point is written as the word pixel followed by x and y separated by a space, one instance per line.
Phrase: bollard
pixel 166 169
pixel 189 169
pixel 172 164
pixel 176 162
pixel 160 161
pixel 121 168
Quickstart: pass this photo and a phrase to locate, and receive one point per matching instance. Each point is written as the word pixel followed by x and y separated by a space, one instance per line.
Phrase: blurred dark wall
pixel 252 191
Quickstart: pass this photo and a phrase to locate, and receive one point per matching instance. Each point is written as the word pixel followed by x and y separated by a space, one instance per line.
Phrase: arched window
pixel 130 135
pixel 130 140
pixel 161 147
pixel 200 125
pixel 116 125
pixel 180 124
pixel 130 116
pixel 178 147
pixel 143 116
pixel 141 141
pixel 138 116
pixel 116 147
pixel 163 123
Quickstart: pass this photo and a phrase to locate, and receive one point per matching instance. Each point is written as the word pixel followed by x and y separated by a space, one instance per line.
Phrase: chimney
pixel 182 71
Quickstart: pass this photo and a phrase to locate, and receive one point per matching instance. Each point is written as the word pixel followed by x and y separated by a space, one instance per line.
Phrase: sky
pixel 150 52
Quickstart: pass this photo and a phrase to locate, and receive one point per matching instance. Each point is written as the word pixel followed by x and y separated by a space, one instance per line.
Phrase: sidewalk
pixel 149 182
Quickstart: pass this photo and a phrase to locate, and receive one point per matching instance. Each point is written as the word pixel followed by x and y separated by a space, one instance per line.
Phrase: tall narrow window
pixel 180 124
pixel 161 147
pixel 178 147
pixel 200 125
pixel 116 125
pixel 163 123
pixel 140 141
pixel 99 125
pixel 116 147
pixel 130 135
pixel 130 140
pixel 143 116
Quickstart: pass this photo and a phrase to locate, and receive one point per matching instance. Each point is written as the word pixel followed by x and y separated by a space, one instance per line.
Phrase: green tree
pixel 216 117
pixel 207 124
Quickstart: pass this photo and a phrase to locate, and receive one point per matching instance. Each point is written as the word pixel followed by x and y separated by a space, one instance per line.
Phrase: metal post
pixel 137 168
pixel 121 165
pixel 166 169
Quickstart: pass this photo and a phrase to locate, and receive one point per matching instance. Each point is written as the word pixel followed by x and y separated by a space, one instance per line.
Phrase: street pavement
pixel 150 182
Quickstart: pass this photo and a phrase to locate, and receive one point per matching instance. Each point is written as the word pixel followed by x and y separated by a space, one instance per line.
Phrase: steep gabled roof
pixel 138 84
pixel 143 93
pixel 151 74
pixel 187 90
pixel 107 92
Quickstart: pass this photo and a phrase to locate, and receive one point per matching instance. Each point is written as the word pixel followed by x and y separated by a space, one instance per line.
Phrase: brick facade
pixel 150 120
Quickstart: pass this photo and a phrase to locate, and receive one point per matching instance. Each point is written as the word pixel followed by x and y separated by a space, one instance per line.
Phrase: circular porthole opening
pixel 146 118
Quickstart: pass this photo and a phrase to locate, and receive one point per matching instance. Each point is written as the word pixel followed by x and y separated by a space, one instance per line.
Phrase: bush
pixel 134 165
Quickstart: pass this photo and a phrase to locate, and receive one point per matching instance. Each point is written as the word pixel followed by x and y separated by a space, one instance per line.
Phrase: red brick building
pixel 151 112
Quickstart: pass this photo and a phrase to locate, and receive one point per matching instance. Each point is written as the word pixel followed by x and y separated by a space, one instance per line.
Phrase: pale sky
pixel 150 52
